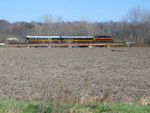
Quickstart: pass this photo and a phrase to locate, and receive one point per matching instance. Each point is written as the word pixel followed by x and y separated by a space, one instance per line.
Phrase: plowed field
pixel 75 75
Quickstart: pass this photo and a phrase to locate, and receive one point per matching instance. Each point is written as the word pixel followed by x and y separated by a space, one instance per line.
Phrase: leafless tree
pixel 138 24
pixel 138 15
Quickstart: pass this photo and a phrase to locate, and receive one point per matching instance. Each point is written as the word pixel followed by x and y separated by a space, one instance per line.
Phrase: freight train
pixel 68 39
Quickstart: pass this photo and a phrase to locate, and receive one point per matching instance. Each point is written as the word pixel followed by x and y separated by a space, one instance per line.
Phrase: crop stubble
pixel 75 75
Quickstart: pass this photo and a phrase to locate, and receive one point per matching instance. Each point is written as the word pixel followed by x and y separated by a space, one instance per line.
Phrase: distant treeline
pixel 134 27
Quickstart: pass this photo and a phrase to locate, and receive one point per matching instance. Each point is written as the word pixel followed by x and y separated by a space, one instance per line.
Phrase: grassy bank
pixel 45 107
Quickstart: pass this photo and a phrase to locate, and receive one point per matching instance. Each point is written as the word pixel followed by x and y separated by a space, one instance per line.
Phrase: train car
pixel 69 39
pixel 76 39
pixel 42 39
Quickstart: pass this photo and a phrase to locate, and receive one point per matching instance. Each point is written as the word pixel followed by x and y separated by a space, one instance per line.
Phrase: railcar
pixel 69 39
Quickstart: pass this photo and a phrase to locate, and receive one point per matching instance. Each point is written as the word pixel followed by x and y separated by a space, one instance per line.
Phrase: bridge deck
pixel 67 45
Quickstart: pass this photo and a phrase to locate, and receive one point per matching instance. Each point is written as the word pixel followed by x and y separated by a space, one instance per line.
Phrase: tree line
pixel 135 27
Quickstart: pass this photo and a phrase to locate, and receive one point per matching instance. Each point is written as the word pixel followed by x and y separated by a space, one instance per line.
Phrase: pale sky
pixel 68 10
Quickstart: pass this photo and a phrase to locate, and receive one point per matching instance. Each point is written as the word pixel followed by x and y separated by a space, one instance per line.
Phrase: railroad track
pixel 24 45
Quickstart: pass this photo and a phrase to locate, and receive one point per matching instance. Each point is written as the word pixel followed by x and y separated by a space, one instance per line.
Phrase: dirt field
pixel 76 75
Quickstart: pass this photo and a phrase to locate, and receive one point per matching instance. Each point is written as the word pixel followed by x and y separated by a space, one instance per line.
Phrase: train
pixel 68 39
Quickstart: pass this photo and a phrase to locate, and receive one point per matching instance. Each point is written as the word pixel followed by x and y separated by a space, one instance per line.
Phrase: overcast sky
pixel 68 10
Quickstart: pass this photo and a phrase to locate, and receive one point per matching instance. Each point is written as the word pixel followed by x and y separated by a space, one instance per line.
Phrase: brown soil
pixel 75 75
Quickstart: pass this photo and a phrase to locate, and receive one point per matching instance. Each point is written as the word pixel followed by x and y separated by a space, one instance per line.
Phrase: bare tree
pixel 138 24
pixel 5 30
pixel 138 15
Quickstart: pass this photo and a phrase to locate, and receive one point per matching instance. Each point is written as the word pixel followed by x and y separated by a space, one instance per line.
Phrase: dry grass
pixel 77 75
pixel 84 110
pixel 144 101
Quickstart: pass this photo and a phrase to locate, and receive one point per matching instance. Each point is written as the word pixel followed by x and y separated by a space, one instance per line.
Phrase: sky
pixel 68 10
